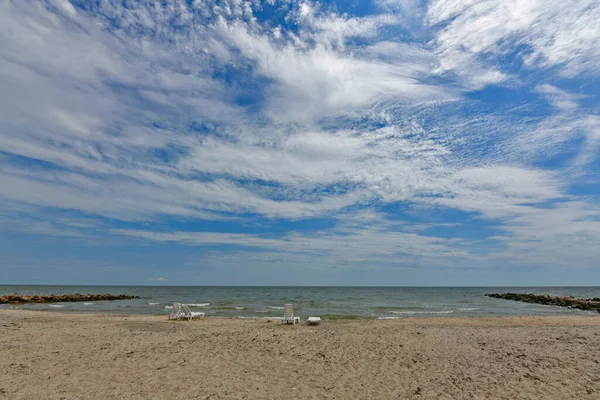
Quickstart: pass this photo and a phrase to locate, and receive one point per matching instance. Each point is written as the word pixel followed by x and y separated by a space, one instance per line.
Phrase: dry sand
pixel 95 356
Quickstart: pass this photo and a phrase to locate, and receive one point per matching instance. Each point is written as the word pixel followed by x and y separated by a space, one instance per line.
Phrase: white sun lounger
pixel 188 314
pixel 288 315
pixel 182 311
pixel 314 320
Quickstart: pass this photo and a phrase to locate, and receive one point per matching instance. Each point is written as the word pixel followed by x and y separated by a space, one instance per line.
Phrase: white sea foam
pixel 190 305
pixel 275 308
pixel 240 308
pixel 88 304
pixel 468 309
pixel 153 304
pixel 55 305
pixel 420 312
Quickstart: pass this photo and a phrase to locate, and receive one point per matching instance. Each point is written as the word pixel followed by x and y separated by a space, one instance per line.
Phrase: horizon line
pixel 307 286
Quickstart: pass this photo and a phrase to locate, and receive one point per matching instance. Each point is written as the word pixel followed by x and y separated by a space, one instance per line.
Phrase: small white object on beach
pixel 314 320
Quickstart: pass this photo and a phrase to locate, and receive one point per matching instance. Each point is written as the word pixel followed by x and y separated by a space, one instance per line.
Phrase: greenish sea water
pixel 326 302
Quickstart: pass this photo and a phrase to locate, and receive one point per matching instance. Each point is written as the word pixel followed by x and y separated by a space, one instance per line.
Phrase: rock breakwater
pixel 56 298
pixel 571 302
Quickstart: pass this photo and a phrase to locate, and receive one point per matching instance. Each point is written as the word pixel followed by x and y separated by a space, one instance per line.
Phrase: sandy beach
pixel 47 355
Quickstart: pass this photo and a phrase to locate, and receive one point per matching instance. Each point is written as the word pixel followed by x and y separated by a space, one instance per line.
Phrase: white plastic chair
pixel 176 311
pixel 288 315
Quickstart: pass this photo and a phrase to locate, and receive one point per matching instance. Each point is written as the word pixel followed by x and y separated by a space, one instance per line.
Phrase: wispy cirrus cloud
pixel 543 33
pixel 176 122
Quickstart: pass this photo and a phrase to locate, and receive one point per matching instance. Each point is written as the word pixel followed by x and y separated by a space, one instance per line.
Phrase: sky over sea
pixel 237 142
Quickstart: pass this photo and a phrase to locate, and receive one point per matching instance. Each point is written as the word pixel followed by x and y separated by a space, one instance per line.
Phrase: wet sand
pixel 48 355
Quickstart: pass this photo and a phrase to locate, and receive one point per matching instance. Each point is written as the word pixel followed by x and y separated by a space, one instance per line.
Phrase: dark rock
pixel 53 298
pixel 571 302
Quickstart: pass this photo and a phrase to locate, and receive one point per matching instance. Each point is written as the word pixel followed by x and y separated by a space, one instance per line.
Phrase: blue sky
pixel 241 142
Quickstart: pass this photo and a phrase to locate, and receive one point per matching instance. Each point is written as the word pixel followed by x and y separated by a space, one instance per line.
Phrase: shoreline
pixel 58 309
pixel 96 356
pixel 352 319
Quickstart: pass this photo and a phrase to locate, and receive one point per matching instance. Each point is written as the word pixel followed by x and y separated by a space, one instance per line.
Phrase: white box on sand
pixel 314 320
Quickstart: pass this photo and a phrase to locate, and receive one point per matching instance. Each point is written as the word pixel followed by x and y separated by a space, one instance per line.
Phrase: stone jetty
pixel 571 302
pixel 55 298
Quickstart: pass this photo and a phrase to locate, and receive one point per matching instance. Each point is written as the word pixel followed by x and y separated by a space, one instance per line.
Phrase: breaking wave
pixel 420 312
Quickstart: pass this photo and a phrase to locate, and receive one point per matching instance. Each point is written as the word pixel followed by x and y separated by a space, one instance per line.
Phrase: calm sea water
pixel 326 302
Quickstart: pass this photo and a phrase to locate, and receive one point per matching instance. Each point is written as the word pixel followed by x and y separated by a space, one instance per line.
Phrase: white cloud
pixel 551 33
pixel 339 247
pixel 155 111
pixel 62 108
pixel 560 99
pixel 498 192
pixel 316 80
pixel 560 134
pixel 305 9
pixel 65 6
pixel 564 235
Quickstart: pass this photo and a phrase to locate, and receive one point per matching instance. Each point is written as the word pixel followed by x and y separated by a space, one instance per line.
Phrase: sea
pixel 325 302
